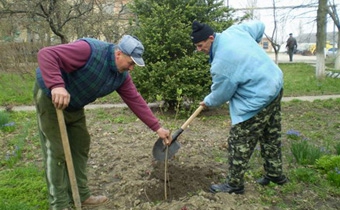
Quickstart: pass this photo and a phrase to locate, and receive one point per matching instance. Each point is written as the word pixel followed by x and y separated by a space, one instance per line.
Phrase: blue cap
pixel 132 47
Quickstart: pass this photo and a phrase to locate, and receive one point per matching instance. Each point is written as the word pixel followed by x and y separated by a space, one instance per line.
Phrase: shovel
pixel 159 149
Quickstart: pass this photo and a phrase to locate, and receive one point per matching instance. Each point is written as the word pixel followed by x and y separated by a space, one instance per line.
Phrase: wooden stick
pixel 68 157
pixel 165 172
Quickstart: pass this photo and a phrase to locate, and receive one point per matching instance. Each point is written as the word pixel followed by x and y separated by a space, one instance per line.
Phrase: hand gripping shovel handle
pixel 186 123
pixel 68 157
pixel 158 150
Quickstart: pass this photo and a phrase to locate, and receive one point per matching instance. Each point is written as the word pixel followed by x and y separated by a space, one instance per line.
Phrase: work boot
pixel 226 188
pixel 265 180
pixel 95 200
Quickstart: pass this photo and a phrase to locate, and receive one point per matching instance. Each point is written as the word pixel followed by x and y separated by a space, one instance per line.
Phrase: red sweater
pixel 71 57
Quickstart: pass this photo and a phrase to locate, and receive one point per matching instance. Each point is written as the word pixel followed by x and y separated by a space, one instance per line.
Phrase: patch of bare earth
pixel 121 166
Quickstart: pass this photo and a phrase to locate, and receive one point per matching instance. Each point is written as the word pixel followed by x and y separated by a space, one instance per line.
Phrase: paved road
pixel 96 106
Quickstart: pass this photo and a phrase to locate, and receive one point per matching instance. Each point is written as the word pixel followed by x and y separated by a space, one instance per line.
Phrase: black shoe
pixel 277 180
pixel 226 188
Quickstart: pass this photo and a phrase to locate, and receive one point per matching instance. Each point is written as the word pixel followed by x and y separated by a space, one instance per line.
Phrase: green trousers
pixel 291 53
pixel 265 128
pixel 59 189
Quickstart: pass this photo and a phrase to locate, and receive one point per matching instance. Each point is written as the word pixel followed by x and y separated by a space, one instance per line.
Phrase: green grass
pixel 299 80
pixel 18 90
pixel 22 183
pixel 23 188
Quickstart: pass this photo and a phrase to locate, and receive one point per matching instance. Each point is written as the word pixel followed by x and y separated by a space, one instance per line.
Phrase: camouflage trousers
pixel 265 128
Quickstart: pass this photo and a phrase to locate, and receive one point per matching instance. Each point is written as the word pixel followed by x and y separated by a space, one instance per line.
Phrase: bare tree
pixel 273 38
pixel 57 13
pixel 252 4
pixel 69 20
pixel 321 39
pixel 115 19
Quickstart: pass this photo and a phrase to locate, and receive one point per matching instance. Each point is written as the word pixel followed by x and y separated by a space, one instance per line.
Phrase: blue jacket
pixel 242 73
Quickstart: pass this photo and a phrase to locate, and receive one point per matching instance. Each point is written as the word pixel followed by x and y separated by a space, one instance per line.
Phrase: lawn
pixel 299 81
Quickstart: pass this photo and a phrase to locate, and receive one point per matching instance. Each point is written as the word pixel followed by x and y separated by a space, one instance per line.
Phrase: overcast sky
pixel 296 21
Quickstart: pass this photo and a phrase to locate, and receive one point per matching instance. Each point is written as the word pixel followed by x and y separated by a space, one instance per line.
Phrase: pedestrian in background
pixel 243 74
pixel 291 46
pixel 69 77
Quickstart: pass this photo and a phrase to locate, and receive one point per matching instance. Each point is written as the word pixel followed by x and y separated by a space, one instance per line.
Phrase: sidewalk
pixel 310 98
pixel 297 58
pixel 96 106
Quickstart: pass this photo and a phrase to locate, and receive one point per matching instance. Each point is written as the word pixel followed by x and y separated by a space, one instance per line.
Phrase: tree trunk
pixel 321 39
pixel 337 59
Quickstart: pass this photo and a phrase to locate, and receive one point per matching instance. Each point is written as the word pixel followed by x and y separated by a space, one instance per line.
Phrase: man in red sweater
pixel 69 77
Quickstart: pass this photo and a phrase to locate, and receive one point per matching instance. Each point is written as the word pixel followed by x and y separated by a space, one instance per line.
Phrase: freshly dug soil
pixel 121 165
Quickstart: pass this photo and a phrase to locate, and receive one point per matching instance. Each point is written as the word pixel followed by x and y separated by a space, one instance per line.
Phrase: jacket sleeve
pixel 128 92
pixel 222 88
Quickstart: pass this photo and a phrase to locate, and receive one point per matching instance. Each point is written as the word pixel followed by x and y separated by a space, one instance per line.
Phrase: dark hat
pixel 290 34
pixel 132 47
pixel 200 32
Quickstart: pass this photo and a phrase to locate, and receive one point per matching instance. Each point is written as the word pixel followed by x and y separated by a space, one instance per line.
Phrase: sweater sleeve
pixel 65 57
pixel 128 92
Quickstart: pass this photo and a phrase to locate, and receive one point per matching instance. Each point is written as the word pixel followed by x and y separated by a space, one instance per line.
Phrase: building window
pixel 265 45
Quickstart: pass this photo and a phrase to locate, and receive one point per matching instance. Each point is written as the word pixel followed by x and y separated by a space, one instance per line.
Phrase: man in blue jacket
pixel 243 74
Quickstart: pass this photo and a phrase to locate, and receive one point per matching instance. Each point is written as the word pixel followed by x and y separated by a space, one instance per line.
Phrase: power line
pixel 281 7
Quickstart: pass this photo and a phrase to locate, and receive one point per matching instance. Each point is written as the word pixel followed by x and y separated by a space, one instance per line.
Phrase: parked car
pixel 331 52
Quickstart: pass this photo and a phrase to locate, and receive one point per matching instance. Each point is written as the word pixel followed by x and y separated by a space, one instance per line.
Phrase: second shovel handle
pixel 192 117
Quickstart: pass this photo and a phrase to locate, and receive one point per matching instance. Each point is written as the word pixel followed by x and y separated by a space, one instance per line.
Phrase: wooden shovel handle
pixel 68 157
pixel 192 117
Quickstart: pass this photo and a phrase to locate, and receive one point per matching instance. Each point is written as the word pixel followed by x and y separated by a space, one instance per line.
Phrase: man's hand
pixel 60 97
pixel 203 104
pixel 165 135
